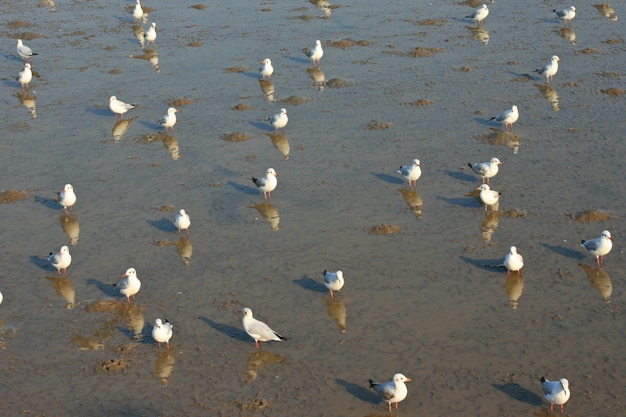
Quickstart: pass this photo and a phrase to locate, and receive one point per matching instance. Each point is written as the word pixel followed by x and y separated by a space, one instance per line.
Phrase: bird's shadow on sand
pixel 263 126
pixel 461 201
pixel 491 265
pixel 310 284
pixel 519 393
pixel 152 125
pixel 227 330
pixel 460 176
pixel 250 74
pixel 298 59
pixel 243 188
pixel 487 122
pixel 163 224
pixel 359 391
pixel 101 112
pixel 390 179
pixel 47 202
pixel 563 251
pixel 105 287
pixel 42 263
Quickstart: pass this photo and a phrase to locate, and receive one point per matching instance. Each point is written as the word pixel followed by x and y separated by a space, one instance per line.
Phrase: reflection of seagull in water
pixel 514 286
pixel 413 201
pixel 281 143
pixel 336 309
pixel 121 127
pixel 549 94
pixel 30 102
pixel 185 250
pixel 268 89
pixel 70 227
pixel 65 290
pixel 489 225
pixel 600 280
pixel 269 212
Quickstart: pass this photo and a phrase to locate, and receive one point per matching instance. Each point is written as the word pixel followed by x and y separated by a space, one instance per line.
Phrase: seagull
pixel 130 285
pixel 513 261
pixel 268 183
pixel 333 281
pixel 411 172
pixel 266 69
pixel 549 70
pixel 24 76
pixel 507 117
pixel 119 107
pixel 258 330
pixel 1 298
pixel 138 11
pixel 479 14
pixel 182 221
pixel 486 170
pixel 162 332
pixel 566 15
pixel 393 391
pixel 151 34
pixel 66 198
pixel 61 259
pixel 488 196
pixel 169 120
pixel 599 247
pixel 556 392
pixel 316 53
pixel 280 120
pixel 24 51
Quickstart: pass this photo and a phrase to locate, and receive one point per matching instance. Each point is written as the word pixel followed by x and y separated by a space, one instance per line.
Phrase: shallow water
pixel 429 301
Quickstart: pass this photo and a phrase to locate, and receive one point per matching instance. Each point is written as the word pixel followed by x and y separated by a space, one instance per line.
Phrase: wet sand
pixel 428 301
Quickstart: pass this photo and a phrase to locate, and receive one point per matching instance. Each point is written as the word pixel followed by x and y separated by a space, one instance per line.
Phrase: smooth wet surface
pixel 424 295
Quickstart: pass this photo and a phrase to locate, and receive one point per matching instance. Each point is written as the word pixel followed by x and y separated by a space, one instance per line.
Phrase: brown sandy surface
pixel 429 301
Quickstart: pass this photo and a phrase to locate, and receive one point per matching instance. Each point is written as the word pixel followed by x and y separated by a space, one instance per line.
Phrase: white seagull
pixel 513 261
pixel 488 196
pixel 162 332
pixel 280 120
pixel 119 107
pixel 130 285
pixel 61 259
pixel 393 391
pixel 556 392
pixel 182 221
pixel 24 51
pixel 268 183
pixel 549 70
pixel 411 172
pixel 66 198
pixel 24 76
pixel 333 281
pixel 316 53
pixel 479 14
pixel 266 69
pixel 507 117
pixel 486 170
pixel 566 15
pixel 138 11
pixel 599 247
pixel 1 298
pixel 151 34
pixel 169 120
pixel 258 330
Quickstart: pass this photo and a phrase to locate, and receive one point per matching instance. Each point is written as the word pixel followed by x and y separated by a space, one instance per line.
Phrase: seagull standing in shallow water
pixel 479 14
pixel 162 332
pixel 486 170
pixel 411 172
pixel 268 183
pixel 66 198
pixel 130 285
pixel 316 53
pixel 169 120
pixel 556 392
pixel 599 247
pixel 393 391
pixel 513 261
pixel 24 76
pixel 258 330
pixel 333 281
pixel 566 15
pixel 119 107
pixel 266 69
pixel 507 117
pixel 549 70
pixel 182 221
pixel 61 259
pixel 280 120
pixel 488 196
pixel 24 51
